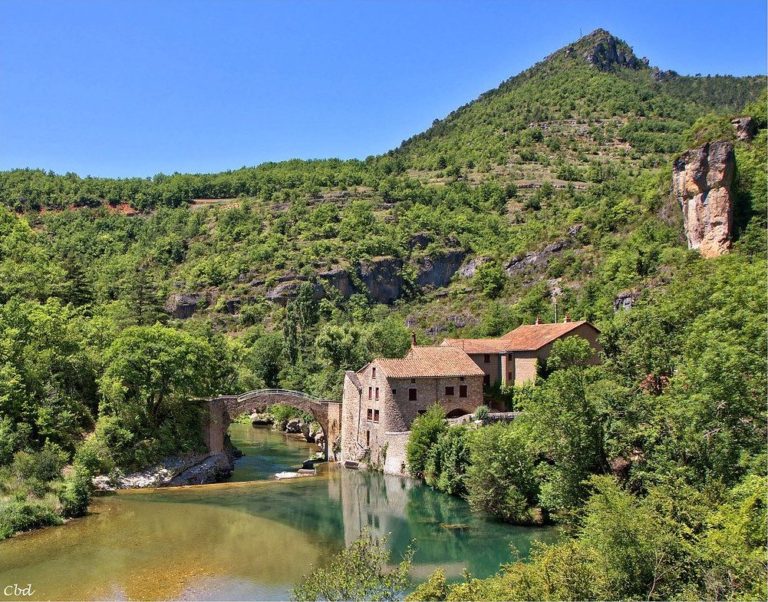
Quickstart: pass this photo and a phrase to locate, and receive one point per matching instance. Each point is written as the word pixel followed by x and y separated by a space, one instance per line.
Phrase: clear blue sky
pixel 122 88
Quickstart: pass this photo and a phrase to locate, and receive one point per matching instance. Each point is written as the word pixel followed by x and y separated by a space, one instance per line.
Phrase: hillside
pixel 555 185
pixel 549 195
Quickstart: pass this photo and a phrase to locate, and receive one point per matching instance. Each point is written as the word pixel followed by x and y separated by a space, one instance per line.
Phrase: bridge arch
pixel 224 409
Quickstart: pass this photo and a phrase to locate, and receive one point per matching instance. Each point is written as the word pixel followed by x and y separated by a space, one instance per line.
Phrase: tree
pixel 266 357
pixel 491 279
pixel 359 572
pixel 565 426
pixel 425 431
pixel 501 477
pixel 447 461
pixel 149 369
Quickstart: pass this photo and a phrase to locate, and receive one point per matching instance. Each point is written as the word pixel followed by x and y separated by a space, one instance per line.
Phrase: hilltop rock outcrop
pixel 702 179
pixel 746 128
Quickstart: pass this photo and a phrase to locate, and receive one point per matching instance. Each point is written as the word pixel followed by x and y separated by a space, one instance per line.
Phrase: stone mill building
pixel 381 400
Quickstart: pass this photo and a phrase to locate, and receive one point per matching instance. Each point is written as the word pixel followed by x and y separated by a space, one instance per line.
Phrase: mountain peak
pixel 604 51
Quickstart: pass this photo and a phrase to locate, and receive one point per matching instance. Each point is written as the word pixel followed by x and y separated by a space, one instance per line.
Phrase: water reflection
pixel 250 540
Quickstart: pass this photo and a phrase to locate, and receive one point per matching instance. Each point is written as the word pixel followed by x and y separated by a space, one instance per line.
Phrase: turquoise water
pixel 267 452
pixel 252 540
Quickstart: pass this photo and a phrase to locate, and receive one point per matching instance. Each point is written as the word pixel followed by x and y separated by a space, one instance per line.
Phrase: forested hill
pixel 591 101
pixel 121 300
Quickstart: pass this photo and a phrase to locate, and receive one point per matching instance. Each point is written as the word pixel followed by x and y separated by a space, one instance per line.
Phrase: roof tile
pixel 427 361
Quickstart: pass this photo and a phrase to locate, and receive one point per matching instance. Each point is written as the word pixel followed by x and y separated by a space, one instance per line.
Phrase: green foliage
pixel 42 466
pixel 152 376
pixel 19 516
pixel 359 572
pixel 491 279
pixel 76 493
pixel 425 432
pixel 500 479
pixel 481 413
pixel 447 461
pixel 569 352
pixel 434 588
pixel 566 425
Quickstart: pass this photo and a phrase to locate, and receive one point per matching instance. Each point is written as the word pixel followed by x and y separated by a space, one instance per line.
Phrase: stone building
pixel 381 400
pixel 514 358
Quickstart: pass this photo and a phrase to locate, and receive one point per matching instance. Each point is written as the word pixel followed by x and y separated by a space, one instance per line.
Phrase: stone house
pixel 381 400
pixel 514 358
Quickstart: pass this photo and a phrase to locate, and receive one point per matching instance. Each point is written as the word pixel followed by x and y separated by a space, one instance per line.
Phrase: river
pixel 251 538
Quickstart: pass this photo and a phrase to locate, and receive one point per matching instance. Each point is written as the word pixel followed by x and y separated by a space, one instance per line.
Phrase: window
pixel 375 415
pixel 413 380
pixel 449 391
pixel 422 412
pixel 487 380
pixel 461 378
pixel 509 376
pixel 377 394
pixel 394 392
pixel 370 414
pixel 373 372
pixel 487 358
pixel 462 390
pixel 368 438
pixel 370 392
pixel 412 396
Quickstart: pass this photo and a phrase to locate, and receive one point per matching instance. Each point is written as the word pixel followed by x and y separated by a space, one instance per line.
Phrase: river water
pixel 252 538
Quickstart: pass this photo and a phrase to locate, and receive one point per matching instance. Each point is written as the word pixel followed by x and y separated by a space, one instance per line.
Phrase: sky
pixel 135 88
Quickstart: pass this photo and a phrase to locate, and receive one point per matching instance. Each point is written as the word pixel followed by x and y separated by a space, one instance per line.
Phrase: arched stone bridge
pixel 224 409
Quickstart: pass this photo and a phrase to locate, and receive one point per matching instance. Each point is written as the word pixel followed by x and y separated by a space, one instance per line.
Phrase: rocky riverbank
pixel 190 469
pixel 311 431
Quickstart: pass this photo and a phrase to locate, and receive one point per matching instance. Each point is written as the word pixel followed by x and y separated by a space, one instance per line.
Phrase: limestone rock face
pixel 438 270
pixel 702 179
pixel 745 127
pixel 183 305
pixel 383 278
pixel 339 279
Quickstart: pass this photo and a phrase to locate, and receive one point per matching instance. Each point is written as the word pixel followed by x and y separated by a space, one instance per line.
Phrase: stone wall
pixel 360 432
pixel 395 462
pixel 524 367
pixel 492 367
pixel 334 428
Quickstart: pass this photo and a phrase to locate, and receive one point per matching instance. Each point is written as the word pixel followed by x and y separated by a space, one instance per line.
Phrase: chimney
pixel 538 321
pixel 413 339
pixel 567 318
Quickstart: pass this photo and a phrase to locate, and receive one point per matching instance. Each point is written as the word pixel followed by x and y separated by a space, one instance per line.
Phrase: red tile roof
pixel 421 362
pixel 530 337
pixel 476 346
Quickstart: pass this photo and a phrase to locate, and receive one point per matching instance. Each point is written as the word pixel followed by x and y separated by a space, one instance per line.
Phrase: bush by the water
pixel 20 515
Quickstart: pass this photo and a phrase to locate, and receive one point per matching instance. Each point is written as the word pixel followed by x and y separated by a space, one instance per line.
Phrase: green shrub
pixel 425 431
pixel 447 461
pixel 481 413
pixel 42 466
pixel 22 516
pixel 76 493
pixel 362 571
pixel 500 479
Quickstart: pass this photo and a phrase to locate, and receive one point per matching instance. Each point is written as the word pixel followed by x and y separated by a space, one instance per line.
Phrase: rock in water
pixel 702 179
pixel 293 426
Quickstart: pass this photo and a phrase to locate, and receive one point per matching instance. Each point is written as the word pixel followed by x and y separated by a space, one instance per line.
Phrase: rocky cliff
pixel 702 179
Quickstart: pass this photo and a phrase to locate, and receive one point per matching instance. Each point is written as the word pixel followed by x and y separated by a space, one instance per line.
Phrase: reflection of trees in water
pixel 332 511
pixel 481 543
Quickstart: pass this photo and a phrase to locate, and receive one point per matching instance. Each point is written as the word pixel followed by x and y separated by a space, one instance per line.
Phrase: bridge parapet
pixel 225 408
